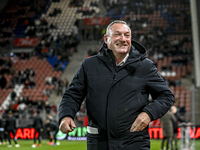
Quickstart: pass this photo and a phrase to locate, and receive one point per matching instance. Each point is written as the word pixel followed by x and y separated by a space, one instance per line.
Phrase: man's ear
pixel 105 37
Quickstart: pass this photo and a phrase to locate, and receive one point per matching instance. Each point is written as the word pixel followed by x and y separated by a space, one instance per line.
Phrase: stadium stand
pixel 163 27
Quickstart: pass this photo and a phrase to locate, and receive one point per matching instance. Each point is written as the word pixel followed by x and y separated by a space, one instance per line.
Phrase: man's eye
pixel 127 35
pixel 116 34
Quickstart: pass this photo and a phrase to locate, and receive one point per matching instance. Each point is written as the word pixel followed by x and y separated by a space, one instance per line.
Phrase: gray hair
pixel 116 21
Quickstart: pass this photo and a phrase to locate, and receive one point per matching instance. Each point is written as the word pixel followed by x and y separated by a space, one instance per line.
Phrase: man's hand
pixel 67 125
pixel 141 122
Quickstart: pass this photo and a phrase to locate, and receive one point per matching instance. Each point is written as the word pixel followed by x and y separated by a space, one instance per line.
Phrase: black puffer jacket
pixel 115 96
pixel 37 122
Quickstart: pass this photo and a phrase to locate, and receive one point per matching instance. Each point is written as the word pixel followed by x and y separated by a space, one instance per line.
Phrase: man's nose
pixel 123 37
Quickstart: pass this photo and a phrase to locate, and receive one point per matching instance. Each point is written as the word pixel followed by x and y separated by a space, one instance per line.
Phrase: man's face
pixel 119 38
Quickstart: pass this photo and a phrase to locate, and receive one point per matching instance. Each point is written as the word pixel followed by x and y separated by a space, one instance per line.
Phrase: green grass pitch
pixel 71 145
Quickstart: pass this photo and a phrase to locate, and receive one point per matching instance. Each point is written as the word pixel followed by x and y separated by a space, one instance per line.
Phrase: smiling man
pixel 116 83
pixel 118 39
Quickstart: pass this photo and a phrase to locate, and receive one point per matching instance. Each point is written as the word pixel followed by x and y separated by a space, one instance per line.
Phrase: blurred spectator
pixel 26 100
pixel 32 83
pixel 61 67
pixel 12 83
pixel 49 117
pixel 26 84
pixel 30 110
pixel 40 105
pixel 56 65
pixel 27 73
pixel 22 56
pixel 53 128
pixel 167 126
pixel 54 109
pixel 10 128
pixel 21 72
pixel 54 80
pixel 3 81
pixel 48 108
pixel 1 129
pixel 22 76
pixel 10 107
pixel 1 61
pixel 47 92
pixel 21 107
pixel 48 80
pixel 32 72
pixel 13 96
pixel 38 126
pixel 175 126
pixel 60 87
pixel 5 70
pixel 5 136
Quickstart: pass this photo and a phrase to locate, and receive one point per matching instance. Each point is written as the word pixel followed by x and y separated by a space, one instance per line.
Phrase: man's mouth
pixel 120 44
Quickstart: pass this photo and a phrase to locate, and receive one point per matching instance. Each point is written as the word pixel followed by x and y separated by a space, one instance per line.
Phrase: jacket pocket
pixel 137 136
pixel 97 142
pixel 92 141
pixel 138 140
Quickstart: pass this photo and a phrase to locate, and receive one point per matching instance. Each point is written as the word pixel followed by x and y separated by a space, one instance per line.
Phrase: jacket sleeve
pixel 162 96
pixel 74 95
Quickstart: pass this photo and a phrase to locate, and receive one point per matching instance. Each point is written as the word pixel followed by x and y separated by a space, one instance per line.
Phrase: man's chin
pixel 123 51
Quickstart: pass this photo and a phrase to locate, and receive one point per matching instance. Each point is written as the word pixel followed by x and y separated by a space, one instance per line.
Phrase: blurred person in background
pixel 1 129
pixel 13 96
pixel 50 118
pixel 175 125
pixel 38 126
pixel 167 125
pixel 53 129
pixel 11 128
pixel 5 135
pixel 3 81
pixel 48 107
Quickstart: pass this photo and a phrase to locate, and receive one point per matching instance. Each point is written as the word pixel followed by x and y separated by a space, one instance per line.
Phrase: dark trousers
pixel 1 136
pixel 9 137
pixel 39 137
pixel 168 144
pixel 53 135
pixel 175 140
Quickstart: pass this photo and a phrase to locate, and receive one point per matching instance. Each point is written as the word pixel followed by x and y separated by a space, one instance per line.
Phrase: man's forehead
pixel 119 28
pixel 119 25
